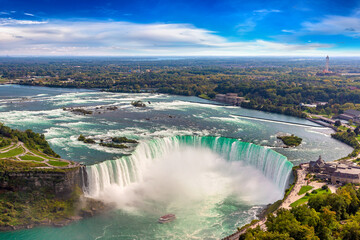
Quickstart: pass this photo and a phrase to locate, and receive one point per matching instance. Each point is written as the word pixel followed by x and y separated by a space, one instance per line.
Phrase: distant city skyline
pixel 179 28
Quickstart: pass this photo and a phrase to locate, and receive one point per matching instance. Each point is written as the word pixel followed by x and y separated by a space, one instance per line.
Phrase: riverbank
pixel 46 211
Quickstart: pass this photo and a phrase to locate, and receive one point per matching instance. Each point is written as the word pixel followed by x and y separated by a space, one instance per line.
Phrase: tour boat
pixel 167 218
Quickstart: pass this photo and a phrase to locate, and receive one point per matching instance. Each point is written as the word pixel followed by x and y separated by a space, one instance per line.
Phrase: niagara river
pixel 215 170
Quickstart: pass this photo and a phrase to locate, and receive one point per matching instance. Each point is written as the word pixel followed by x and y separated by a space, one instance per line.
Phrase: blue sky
pixel 179 28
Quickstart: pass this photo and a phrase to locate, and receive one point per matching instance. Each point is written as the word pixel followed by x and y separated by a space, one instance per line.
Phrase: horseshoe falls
pixel 202 165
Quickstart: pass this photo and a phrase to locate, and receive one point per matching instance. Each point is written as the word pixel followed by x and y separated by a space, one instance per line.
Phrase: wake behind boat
pixel 167 218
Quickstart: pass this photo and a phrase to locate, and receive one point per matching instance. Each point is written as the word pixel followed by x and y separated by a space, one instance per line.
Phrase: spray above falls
pixel 190 167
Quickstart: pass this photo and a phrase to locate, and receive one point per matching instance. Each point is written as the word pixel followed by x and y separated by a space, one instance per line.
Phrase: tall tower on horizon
pixel 327 64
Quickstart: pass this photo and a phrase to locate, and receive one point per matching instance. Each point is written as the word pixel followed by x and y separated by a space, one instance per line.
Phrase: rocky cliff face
pixel 60 183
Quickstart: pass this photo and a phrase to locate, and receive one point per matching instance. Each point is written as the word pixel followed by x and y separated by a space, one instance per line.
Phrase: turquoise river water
pixel 214 169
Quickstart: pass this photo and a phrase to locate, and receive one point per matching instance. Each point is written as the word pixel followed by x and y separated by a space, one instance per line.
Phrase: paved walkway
pixel 293 195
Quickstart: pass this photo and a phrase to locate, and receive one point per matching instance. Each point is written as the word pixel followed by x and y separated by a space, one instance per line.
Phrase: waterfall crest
pixel 129 169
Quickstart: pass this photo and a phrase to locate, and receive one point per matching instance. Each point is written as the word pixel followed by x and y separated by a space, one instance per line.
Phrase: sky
pixel 179 28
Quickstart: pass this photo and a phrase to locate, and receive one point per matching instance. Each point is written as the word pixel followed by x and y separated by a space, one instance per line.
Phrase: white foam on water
pixel 45 117
pixel 146 134
pixel 232 119
pixel 179 105
pixel 102 97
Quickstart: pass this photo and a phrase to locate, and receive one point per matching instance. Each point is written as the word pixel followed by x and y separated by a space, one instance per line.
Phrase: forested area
pixel 32 140
pixel 325 216
pixel 271 84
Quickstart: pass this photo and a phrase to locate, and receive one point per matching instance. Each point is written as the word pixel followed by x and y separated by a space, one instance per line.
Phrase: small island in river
pixel 290 141
pixel 114 142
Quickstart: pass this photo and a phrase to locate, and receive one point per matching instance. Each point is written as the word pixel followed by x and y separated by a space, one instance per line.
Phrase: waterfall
pixel 129 169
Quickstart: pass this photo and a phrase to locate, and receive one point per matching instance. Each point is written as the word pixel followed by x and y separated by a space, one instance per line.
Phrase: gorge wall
pixel 61 183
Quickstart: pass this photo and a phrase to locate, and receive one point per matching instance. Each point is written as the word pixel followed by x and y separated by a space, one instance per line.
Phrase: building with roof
pixel 337 173
pixel 350 114
pixel 230 98
pixel 317 166
pixel 346 175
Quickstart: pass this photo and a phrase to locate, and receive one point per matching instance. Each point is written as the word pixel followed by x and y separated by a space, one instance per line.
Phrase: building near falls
pixel 230 98
pixel 336 173
pixel 350 114
pixel 346 175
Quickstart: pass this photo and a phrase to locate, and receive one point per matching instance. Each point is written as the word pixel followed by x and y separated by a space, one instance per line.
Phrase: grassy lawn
pixel 12 165
pixel 58 163
pixel 306 198
pixel 204 96
pixel 12 153
pixel 31 157
pixel 327 116
pixel 304 189
pixel 44 155
pixel 343 128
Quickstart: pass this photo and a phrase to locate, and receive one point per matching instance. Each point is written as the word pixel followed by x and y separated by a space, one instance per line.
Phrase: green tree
pixel 337 123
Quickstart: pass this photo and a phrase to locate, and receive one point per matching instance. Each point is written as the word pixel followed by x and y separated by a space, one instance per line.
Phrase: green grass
pixel 44 155
pixel 305 199
pixel 58 163
pixel 204 96
pixel 31 157
pixel 327 116
pixel 304 189
pixel 343 128
pixel 12 152
pixel 12 165
pixel 273 207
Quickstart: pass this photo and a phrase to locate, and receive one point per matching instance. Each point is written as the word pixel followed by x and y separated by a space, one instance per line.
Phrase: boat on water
pixel 167 218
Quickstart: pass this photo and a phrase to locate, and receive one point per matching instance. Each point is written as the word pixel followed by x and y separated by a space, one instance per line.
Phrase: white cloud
pixel 267 11
pixel 250 23
pixel 29 14
pixel 14 22
pixel 23 37
pixel 288 31
pixel 334 25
